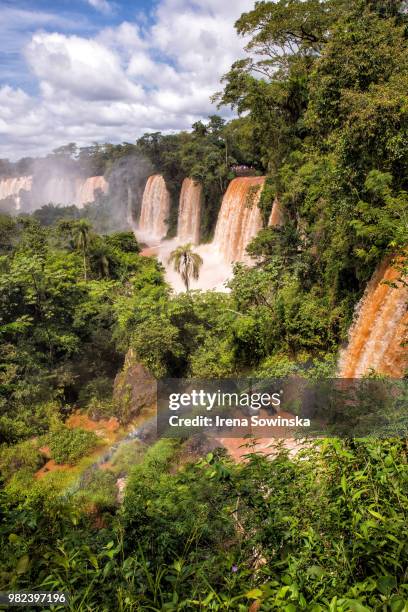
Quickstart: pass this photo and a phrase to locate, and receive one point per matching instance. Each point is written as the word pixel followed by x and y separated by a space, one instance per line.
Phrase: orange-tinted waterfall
pixel 86 189
pixel 239 219
pixel 276 216
pixel 155 209
pixel 188 228
pixel 11 187
pixel 376 337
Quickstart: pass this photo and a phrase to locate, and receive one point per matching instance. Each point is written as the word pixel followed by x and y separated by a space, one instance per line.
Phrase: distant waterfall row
pixel 12 187
pixel 56 190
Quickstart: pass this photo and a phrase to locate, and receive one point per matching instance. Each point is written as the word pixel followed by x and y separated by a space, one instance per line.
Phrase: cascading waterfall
pixel 155 210
pixel 58 190
pixel 86 189
pixel 380 328
pixel 189 215
pixel 239 219
pixel 276 217
pixel 11 187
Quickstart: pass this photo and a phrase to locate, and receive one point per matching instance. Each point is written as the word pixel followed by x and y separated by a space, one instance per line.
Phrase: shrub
pixel 23 456
pixel 69 445
pixel 98 491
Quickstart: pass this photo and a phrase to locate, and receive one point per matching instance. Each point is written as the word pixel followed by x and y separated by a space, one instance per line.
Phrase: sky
pixel 89 71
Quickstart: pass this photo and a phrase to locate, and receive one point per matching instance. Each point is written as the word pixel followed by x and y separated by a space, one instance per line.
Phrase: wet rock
pixel 134 389
pixel 199 445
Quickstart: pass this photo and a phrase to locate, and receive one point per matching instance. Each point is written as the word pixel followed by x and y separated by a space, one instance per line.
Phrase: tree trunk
pixel 186 273
pixel 85 272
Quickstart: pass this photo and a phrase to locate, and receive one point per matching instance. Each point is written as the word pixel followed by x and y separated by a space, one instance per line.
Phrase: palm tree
pixel 100 256
pixel 81 232
pixel 186 263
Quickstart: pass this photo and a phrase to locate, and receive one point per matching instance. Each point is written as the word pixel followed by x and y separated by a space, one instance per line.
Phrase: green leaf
pixel 377 515
pixel 386 584
pixel 22 564
pixel 254 594
pixel 315 570
pixel 13 538
pixel 397 604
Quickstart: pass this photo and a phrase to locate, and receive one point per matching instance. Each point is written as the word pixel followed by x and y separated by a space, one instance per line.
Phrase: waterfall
pixel 379 329
pixel 155 209
pixel 58 190
pixel 239 219
pixel 189 215
pixel 276 216
pixel 11 187
pixel 86 189
pixel 68 190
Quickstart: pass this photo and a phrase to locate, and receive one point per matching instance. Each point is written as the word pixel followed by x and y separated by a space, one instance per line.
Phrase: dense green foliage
pixel 324 531
pixel 330 111
pixel 69 445
pixel 61 291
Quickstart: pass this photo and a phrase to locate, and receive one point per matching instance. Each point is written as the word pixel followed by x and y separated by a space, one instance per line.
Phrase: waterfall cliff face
pixel 239 219
pixel 155 209
pixel 86 189
pixel 376 337
pixel 189 215
pixel 11 187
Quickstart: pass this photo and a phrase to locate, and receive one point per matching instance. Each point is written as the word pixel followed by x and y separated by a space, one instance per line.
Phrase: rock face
pixel 134 388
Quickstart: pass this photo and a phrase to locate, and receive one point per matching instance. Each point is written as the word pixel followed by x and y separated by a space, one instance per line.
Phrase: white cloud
pixel 101 5
pixel 80 67
pixel 124 81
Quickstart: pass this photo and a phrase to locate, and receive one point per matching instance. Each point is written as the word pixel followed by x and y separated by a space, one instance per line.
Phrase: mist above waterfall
pixel 127 178
pixel 111 201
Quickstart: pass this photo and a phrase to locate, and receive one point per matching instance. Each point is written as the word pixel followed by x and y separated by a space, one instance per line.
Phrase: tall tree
pixel 82 239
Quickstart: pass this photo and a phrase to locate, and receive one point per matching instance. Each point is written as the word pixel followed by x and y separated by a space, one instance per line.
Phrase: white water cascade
pixel 189 215
pixel 152 225
pixel 239 219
